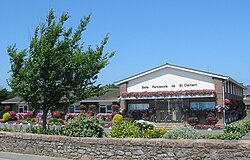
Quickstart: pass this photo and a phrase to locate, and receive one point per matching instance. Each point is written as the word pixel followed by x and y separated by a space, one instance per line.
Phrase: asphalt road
pixel 18 156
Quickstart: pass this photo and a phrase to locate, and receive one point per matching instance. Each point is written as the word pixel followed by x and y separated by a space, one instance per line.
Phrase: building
pixel 17 105
pixel 171 93
pixel 103 103
pixel 247 96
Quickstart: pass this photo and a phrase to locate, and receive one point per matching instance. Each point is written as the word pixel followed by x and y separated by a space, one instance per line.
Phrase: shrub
pixel 117 119
pixel 144 125
pixel 2 111
pixel 192 121
pixel 125 129
pixel 241 126
pixel 211 120
pixel 232 131
pixel 6 117
pixel 224 136
pixel 155 133
pixel 29 120
pixel 182 133
pixel 84 126
pixel 53 121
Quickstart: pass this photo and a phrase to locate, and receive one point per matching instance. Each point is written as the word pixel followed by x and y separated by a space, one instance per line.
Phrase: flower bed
pixel 205 126
pixel 72 115
pixel 168 93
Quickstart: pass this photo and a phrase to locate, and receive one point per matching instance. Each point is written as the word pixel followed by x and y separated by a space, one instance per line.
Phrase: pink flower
pixel 83 107
pixel 29 114
pixel 227 101
pixel 7 108
pixel 56 114
pixel 13 114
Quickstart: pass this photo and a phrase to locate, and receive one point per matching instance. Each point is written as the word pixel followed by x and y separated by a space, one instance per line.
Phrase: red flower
pixel 192 121
pixel 115 107
pixel 212 120
pixel 89 113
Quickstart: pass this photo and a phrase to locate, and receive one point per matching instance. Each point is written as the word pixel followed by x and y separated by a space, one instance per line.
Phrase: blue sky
pixel 209 35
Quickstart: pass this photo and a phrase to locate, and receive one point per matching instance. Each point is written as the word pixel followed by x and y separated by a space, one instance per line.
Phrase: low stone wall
pixel 112 148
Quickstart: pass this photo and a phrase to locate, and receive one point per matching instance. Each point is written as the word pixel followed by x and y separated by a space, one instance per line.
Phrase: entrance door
pixel 168 111
pixel 161 109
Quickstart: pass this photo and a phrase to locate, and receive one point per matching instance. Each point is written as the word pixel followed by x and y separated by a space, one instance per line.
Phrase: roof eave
pixel 175 67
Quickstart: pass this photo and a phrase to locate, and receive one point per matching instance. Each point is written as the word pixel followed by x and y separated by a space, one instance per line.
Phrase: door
pixel 168 111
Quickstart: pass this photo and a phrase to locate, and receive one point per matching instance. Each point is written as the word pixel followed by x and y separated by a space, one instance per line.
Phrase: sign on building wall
pixel 170 80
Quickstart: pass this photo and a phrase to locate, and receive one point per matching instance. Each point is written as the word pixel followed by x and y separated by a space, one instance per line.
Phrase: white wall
pixel 169 79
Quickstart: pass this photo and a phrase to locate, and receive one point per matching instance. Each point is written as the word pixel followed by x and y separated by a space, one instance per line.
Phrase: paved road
pixel 18 156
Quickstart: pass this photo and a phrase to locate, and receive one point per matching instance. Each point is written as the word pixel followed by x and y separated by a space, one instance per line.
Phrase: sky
pixel 209 35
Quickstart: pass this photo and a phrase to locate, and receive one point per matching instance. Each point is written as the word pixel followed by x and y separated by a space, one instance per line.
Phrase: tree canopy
pixel 56 69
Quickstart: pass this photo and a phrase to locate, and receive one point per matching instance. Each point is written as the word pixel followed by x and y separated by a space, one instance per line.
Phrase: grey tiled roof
pixel 112 94
pixel 12 100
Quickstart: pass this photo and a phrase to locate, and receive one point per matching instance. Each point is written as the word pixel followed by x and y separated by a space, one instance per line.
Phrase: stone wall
pixel 111 148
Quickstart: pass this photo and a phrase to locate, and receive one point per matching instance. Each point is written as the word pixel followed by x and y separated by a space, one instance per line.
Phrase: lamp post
pixel 223 101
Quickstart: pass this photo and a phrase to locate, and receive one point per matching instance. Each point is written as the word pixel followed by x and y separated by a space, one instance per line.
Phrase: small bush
pixel 182 133
pixel 144 125
pixel 241 127
pixel 117 119
pixel 84 126
pixel 2 111
pixel 6 117
pixel 155 133
pixel 29 120
pixel 53 121
pixel 125 129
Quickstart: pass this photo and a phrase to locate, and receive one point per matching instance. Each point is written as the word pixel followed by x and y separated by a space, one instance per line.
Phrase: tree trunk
pixel 45 112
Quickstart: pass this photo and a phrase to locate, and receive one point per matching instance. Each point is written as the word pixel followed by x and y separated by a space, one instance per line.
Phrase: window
pixel 74 109
pixel 143 106
pixel 23 109
pixel 105 109
pixel 202 105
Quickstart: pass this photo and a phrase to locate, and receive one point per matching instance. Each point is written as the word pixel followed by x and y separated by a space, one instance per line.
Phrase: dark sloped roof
pixel 112 94
pixel 12 100
pixel 247 90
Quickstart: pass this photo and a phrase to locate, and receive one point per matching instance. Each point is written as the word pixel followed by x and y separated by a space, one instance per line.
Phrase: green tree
pixel 5 94
pixel 55 70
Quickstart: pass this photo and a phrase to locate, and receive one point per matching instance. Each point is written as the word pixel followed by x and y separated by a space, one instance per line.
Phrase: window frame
pixel 23 106
pixel 136 106
pixel 74 109
pixel 206 104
